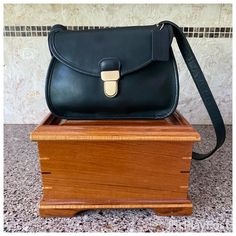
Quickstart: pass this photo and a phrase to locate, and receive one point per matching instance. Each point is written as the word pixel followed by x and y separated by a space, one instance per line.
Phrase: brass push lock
pixel 110 79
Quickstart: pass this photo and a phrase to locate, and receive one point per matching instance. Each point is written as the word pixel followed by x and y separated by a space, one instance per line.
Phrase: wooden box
pixel 91 164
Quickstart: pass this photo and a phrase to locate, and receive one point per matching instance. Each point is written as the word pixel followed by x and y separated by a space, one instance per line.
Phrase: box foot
pixel 59 212
pixel 47 209
pixel 169 210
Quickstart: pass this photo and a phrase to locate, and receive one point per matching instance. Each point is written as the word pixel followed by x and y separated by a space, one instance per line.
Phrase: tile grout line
pixel 42 31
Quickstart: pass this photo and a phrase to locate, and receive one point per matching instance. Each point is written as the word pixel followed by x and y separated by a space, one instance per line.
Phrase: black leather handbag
pixel 122 73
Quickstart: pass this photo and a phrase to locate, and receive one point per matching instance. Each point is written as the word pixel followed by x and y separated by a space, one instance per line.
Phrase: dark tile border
pixel 42 31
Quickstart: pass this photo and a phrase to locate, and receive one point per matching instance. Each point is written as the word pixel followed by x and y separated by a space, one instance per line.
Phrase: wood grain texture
pixel 114 170
pixel 174 128
pixel 69 210
pixel 89 164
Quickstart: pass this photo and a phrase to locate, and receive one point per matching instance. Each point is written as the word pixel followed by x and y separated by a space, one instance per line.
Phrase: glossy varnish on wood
pixel 115 164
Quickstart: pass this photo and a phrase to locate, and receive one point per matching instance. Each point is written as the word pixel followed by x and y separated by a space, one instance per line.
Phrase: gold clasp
pixel 110 79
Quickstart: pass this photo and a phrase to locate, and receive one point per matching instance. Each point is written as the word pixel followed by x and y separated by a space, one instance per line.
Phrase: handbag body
pixel 122 73
pixel 118 73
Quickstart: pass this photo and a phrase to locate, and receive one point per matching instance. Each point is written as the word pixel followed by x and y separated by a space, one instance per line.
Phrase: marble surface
pixel 118 14
pixel 210 192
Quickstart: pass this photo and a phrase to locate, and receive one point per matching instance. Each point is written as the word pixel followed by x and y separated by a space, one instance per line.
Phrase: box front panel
pixel 115 171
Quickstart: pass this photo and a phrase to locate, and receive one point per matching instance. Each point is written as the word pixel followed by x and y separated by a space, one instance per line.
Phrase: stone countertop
pixel 210 191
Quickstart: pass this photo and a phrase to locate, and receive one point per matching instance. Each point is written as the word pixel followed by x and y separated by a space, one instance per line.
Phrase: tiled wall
pixel 26 56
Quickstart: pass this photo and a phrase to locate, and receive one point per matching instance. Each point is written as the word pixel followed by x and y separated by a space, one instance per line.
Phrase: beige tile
pixel 116 14
pixel 215 59
pixel 226 15
pixel 24 78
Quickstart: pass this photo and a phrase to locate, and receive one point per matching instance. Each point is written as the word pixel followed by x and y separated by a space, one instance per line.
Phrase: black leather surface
pixel 148 87
pixel 109 64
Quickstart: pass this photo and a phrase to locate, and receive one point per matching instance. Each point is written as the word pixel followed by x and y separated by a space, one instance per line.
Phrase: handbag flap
pixel 134 47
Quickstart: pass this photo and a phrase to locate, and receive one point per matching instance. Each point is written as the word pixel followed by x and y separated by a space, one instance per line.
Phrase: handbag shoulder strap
pixel 203 88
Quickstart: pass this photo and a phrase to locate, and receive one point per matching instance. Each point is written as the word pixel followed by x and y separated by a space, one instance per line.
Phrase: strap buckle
pixel 160 26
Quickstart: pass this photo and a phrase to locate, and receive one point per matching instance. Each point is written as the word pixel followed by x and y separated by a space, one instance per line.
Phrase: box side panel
pixel 114 171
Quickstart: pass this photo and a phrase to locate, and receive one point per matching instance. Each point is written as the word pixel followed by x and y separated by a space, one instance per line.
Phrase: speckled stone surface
pixel 210 191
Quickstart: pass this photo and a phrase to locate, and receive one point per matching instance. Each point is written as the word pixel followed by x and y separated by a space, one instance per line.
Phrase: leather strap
pixel 203 89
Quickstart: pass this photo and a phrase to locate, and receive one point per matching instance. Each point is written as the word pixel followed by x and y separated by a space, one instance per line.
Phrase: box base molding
pixel 66 209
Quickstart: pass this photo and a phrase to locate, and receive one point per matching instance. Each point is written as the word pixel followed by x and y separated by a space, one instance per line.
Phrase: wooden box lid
pixel 173 128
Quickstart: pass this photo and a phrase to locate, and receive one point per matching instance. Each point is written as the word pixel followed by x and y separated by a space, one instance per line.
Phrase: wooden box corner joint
pixel 98 164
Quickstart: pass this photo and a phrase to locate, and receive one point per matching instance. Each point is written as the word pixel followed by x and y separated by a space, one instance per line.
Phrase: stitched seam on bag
pixel 49 101
pixel 175 103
